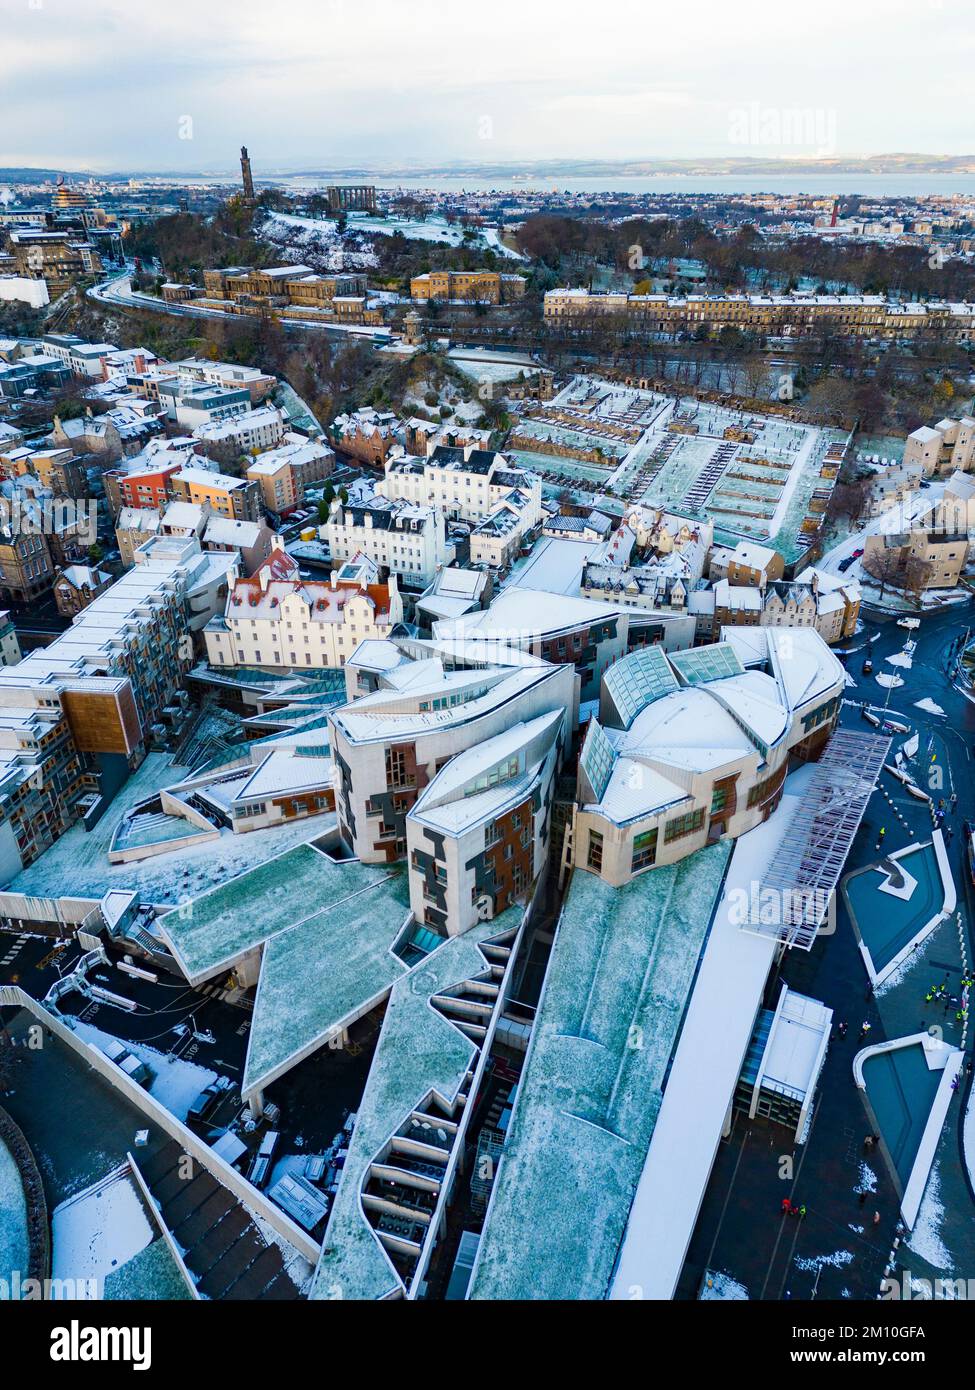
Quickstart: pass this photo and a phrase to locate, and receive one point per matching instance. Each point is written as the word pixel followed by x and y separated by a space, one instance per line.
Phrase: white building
pixel 24 289
pixel 407 539
pixel 251 431
pixel 695 745
pixel 277 621
pixel 467 484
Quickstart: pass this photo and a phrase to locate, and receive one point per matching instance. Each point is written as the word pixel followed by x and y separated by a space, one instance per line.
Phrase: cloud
pixel 105 84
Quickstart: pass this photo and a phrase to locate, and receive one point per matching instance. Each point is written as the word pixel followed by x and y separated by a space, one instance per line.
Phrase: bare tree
pixel 885 567
pixel 917 576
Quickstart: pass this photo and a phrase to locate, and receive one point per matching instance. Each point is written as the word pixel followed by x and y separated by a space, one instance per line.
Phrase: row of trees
pixel 576 248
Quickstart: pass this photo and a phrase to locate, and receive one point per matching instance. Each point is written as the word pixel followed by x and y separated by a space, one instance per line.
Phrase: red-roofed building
pixel 276 620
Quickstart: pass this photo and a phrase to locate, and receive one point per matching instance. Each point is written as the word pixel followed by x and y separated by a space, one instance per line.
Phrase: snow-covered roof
pixel 623 961
pixel 519 613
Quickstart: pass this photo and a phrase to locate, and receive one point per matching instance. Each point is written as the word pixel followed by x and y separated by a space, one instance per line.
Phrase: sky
pixel 113 85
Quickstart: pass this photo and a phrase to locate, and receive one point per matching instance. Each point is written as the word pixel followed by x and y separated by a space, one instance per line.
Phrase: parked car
pixel 857 553
pixel 127 1061
pixel 206 1102
pixel 844 565
pixel 867 667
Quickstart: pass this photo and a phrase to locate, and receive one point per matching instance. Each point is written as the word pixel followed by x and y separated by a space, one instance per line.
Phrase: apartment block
pixel 861 316
pixel 233 497
pixel 96 692
pixel 931 555
pixel 282 474
pixel 56 257
pixel 406 539
pixel 942 448
pixel 252 431
pixel 465 483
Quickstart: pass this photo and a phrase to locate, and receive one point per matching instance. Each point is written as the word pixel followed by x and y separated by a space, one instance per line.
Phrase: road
pixel 117 293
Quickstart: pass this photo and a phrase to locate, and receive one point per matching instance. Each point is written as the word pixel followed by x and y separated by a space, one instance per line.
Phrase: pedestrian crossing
pixel 227 996
pixel 13 950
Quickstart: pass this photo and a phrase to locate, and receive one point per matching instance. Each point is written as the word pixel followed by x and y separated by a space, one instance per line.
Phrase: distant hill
pixel 25 174
pixel 917 165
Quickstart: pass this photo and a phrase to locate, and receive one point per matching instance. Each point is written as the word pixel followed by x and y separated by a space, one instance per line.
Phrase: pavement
pixel 837 1250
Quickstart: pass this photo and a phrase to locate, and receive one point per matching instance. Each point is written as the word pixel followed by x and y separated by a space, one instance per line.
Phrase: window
pixel 680 826
pixel 644 850
pixel 397 774
pixel 762 791
pixel 594 859
pixel 820 715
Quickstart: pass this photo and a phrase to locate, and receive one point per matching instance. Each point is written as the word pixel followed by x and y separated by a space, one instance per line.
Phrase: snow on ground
pixel 317 244
pixel 900 659
pixel 96 1231
pixel 13 1217
pixel 287 1163
pixel 867 1181
pixel 301 1271
pixel 925 1239
pixel 721 1285
pixel 968 1136
pixel 928 706
pixel 837 1260
pixel 175 1084
pixel 889 682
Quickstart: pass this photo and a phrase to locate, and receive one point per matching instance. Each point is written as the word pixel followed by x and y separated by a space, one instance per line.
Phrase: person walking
pixel 842 1029
pixel 862 1200
pixel 876 1218
pixel 868 1143
pixel 864 1030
